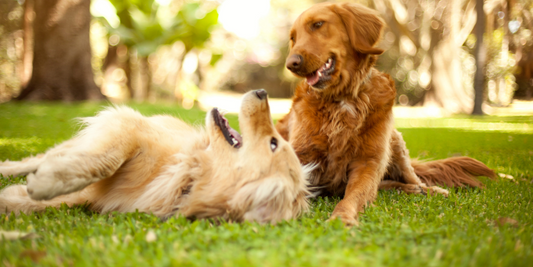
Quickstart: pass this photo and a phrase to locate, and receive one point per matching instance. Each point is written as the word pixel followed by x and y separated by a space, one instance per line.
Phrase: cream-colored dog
pixel 123 161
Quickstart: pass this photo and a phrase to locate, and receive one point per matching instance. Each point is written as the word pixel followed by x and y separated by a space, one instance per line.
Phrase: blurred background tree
pixel 61 65
pixel 480 56
pixel 11 13
pixel 426 57
pixel 431 48
pixel 145 26
pixel 137 29
pixel 174 49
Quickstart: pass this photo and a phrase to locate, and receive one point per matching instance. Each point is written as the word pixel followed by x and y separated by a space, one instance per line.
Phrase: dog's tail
pixel 453 172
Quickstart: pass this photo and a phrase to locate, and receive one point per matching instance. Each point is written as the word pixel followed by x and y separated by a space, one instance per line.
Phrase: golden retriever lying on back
pixel 341 116
pixel 123 161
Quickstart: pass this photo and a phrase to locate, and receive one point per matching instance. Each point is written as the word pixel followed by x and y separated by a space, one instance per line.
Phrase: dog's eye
pixel 273 144
pixel 317 25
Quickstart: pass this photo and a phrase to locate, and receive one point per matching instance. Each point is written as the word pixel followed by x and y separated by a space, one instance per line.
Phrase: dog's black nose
pixel 261 93
pixel 294 62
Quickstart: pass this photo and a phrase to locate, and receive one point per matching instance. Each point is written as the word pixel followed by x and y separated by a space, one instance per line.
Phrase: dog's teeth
pixel 328 63
pixel 319 74
pixel 234 141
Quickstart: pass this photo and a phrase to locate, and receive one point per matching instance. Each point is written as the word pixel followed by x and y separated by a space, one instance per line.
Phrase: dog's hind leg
pixel 94 154
pixel 401 170
pixel 21 168
pixel 74 169
pixel 407 188
pixel 15 199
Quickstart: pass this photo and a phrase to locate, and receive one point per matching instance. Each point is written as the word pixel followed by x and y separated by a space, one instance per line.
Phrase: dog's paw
pixel 347 220
pixel 53 179
pixel 47 183
pixel 435 190
pixel 41 189
pixel 413 189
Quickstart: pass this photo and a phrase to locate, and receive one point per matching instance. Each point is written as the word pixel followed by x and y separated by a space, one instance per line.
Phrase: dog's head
pixel 259 171
pixel 328 42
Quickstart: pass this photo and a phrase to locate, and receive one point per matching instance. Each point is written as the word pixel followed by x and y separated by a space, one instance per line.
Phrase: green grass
pixel 397 230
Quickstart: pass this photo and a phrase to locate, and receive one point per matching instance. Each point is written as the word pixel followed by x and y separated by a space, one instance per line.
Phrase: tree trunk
pixel 62 54
pixel 447 89
pixel 129 75
pixel 481 55
pixel 27 54
pixel 144 79
pixel 10 32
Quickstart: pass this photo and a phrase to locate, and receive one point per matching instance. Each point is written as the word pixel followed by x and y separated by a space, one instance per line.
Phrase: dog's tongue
pixel 313 78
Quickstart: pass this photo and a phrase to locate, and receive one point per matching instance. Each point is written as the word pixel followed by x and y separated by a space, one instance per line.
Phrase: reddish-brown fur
pixel 344 123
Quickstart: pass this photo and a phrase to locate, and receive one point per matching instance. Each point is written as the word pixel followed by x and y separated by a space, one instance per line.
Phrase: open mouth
pixel 233 137
pixel 322 74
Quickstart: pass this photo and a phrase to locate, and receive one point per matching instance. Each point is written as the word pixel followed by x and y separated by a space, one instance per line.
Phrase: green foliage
pixel 198 26
pixel 145 25
pixel 498 67
pixel 396 230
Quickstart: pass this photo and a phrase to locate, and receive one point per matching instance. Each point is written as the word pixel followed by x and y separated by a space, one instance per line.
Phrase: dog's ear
pixel 363 26
pixel 266 200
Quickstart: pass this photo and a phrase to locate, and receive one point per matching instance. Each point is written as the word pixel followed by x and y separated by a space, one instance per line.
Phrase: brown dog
pixel 341 117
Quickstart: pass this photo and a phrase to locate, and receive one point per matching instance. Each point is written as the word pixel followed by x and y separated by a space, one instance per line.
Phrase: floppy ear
pixel 363 26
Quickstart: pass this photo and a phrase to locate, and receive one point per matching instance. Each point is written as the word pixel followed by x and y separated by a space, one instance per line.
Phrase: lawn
pixel 472 227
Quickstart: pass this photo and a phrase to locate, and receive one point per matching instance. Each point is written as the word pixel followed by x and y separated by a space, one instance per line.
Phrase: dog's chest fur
pixel 327 134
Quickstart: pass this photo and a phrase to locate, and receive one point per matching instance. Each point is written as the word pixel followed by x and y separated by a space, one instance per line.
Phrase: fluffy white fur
pixel 123 161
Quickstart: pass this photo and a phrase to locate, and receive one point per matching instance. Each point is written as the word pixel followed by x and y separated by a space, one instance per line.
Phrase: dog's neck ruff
pixel 367 78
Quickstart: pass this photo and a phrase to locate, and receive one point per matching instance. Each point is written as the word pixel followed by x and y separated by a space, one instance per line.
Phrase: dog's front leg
pixel 362 188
